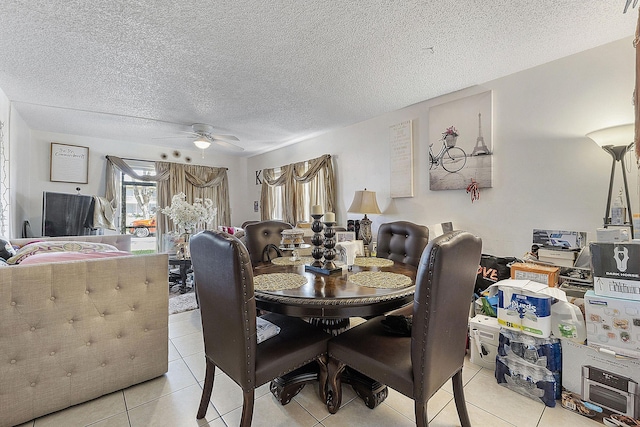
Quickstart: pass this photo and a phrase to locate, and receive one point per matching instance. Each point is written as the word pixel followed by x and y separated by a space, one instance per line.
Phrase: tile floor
pixel 172 400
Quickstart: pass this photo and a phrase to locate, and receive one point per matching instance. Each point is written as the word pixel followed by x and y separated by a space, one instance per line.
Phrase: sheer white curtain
pixel 289 191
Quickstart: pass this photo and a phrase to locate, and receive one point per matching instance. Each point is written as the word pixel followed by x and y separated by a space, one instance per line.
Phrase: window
pixel 139 201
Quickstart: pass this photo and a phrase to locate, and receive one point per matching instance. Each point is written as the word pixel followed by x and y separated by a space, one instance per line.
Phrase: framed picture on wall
pixel 345 236
pixel 69 163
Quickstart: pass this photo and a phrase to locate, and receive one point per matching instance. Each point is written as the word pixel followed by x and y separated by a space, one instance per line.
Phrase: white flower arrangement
pixel 186 216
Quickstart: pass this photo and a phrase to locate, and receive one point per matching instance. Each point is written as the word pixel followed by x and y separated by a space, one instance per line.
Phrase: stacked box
pixel 603 379
pixel 536 272
pixel 616 269
pixel 530 366
pixel 613 324
pixel 484 333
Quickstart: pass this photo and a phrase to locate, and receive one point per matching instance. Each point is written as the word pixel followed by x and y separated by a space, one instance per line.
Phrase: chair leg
pixel 322 377
pixel 207 389
pixel 334 393
pixel 458 395
pixel 247 408
pixel 421 414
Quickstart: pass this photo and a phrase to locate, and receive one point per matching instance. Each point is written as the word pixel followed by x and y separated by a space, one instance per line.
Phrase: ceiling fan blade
pixel 171 137
pixel 227 144
pixel 227 137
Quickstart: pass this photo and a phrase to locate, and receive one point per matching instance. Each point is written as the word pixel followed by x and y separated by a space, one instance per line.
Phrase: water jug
pixel 567 322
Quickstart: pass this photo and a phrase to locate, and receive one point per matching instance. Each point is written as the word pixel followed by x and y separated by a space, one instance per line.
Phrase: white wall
pixel 16 133
pixel 34 157
pixel 547 174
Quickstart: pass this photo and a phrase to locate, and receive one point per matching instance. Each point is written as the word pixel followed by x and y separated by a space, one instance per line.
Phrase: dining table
pixel 371 287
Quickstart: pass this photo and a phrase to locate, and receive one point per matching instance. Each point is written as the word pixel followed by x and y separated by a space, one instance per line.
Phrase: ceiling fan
pixel 203 137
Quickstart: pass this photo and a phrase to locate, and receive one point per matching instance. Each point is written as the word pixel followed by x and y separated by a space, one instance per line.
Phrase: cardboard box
pixel 536 272
pixel 559 257
pixel 559 238
pixel 616 388
pixel 613 324
pixel 616 269
pixel 484 334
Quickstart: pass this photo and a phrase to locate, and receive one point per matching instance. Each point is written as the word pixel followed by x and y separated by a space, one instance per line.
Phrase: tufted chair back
pixel 419 365
pixel 260 234
pixel 402 241
pixel 224 278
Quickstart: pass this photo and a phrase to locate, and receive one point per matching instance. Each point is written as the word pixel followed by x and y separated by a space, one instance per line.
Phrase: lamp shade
pixel 364 202
pixel 202 143
pixel 616 135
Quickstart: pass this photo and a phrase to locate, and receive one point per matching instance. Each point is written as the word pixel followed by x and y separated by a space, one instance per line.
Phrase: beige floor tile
pixel 189 344
pixel 267 412
pixel 227 395
pixel 191 325
pixel 198 365
pixel 172 410
pixel 186 315
pixel 356 413
pixel 406 407
pixel 484 392
pixel 85 413
pixel 27 424
pixel 558 416
pixel 448 417
pixel 120 420
pixel 469 371
pixel 178 377
pixel 173 352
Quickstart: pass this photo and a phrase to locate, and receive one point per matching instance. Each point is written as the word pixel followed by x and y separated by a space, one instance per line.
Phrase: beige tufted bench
pixel 73 331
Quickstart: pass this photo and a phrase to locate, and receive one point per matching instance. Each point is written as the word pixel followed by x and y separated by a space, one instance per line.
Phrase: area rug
pixel 182 302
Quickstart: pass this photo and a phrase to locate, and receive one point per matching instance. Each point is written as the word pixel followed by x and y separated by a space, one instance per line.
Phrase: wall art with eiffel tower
pixel 460 143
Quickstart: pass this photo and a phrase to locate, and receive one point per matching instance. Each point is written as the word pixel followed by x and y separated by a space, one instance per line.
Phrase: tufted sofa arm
pixel 73 331
pixel 402 241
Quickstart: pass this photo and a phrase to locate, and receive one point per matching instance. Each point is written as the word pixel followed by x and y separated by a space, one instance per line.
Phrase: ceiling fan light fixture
pixel 201 143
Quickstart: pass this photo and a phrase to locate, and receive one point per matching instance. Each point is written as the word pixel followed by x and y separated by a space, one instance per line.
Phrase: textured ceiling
pixel 270 72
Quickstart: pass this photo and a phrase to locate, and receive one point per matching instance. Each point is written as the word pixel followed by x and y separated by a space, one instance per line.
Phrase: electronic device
pixel 612 391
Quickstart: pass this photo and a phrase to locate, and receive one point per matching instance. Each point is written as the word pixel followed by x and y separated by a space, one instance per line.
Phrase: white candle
pixel 316 210
pixel 329 217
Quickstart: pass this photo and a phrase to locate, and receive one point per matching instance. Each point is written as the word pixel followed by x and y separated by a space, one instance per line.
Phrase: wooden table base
pixel 284 388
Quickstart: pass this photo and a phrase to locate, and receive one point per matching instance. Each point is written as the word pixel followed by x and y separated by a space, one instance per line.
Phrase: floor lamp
pixel 607 139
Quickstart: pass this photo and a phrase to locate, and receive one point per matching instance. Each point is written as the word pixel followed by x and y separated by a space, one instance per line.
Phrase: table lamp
pixel 609 139
pixel 364 202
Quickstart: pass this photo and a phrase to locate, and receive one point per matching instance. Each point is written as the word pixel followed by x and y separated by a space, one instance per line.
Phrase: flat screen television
pixel 66 214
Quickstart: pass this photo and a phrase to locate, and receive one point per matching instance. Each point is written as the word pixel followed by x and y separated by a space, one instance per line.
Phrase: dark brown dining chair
pixel 260 235
pixel 228 309
pixel 402 241
pixel 417 366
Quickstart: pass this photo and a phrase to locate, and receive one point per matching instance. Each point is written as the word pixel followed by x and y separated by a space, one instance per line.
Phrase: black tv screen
pixel 66 214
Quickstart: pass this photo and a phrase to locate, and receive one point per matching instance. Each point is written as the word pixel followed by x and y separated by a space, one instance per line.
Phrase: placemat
pixel 381 279
pixel 278 281
pixel 286 260
pixel 372 262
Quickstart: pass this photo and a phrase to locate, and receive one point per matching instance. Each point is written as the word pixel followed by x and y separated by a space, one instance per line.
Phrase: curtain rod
pixel 153 161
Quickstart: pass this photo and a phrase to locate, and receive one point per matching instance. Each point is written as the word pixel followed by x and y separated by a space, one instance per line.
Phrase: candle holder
pixel 329 246
pixel 317 252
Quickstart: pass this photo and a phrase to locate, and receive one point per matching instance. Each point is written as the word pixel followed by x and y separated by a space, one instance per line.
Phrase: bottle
pixel 618 214
pixel 568 322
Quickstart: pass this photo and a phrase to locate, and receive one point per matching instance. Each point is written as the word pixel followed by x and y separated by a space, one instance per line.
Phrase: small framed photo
pixel 69 163
pixel 345 236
